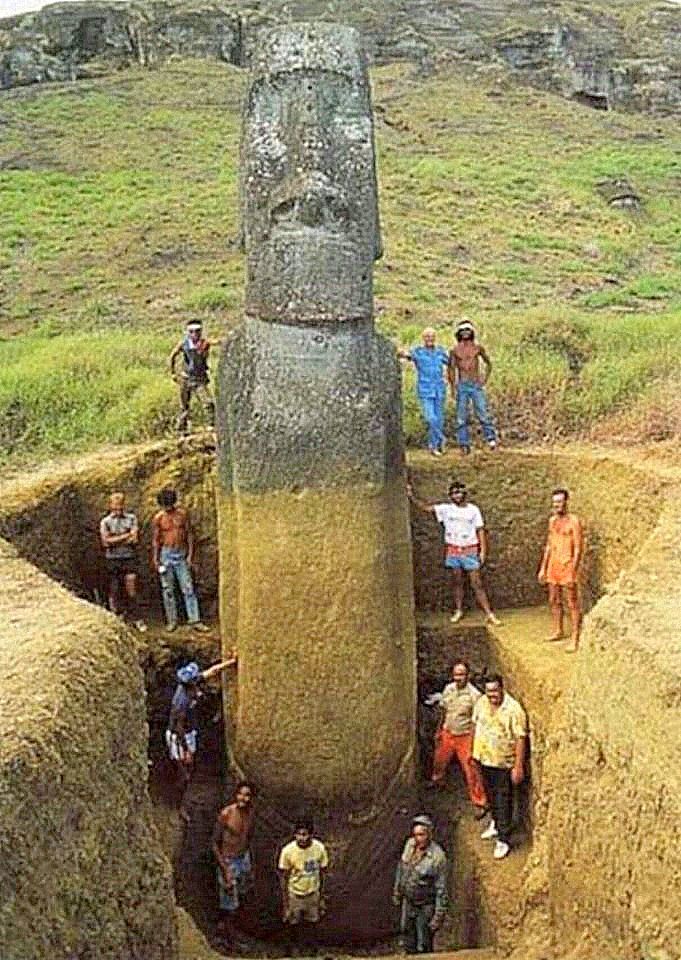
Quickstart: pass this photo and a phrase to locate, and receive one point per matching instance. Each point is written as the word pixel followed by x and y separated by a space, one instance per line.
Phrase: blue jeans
pixel 469 392
pixel 433 409
pixel 177 568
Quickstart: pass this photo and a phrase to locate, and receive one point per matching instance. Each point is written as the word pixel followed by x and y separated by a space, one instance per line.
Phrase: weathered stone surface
pixel 308 180
pixel 625 56
pixel 315 559
pixel 73 40
pixel 314 539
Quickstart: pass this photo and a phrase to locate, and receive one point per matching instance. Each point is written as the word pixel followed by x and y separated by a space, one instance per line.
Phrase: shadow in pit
pixel 261 932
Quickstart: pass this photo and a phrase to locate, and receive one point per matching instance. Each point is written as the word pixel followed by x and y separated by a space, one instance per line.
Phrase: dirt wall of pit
pixel 82 875
pixel 618 504
pixel 611 845
pixel 53 517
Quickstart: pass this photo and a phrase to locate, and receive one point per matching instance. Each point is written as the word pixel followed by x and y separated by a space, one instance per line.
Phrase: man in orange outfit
pixel 454 736
pixel 560 566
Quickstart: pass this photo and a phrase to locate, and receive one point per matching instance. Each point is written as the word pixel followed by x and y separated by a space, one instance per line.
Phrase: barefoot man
pixel 231 841
pixel 560 566
pixel 465 545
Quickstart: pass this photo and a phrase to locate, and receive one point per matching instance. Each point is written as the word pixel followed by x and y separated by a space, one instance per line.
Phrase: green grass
pixel 67 393
pixel 119 215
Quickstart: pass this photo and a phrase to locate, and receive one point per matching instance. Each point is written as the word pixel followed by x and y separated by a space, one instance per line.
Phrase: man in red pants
pixel 454 736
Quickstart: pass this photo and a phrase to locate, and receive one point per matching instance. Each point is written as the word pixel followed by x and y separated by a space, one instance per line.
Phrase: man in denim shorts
pixel 465 545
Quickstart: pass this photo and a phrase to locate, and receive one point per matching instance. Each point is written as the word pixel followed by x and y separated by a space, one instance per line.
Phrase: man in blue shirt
pixel 431 363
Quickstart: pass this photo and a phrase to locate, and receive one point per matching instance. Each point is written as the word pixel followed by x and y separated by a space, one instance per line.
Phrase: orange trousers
pixel 449 745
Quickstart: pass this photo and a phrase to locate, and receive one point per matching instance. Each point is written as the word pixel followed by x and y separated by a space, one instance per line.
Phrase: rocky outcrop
pixel 628 57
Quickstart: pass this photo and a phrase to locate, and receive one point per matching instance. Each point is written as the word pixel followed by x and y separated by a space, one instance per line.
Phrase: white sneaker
pixel 456 616
pixel 141 626
pixel 501 850
pixel 490 832
pixel 494 620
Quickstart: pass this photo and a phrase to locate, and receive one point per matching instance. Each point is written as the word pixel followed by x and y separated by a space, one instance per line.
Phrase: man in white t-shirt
pixel 465 545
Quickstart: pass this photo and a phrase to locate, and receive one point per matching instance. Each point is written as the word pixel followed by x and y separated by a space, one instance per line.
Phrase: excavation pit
pixel 572 883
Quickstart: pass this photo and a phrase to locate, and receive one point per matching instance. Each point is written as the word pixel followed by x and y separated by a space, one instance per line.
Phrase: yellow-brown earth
pixel 596 873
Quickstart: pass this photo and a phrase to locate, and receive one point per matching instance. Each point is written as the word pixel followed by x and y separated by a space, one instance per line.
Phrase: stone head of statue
pixel 309 202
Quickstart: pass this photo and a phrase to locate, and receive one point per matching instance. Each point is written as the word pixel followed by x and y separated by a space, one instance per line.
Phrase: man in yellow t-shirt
pixel 302 864
pixel 499 746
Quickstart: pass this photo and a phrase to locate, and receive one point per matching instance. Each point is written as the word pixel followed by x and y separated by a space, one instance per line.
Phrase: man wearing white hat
pixel 467 381
pixel 194 378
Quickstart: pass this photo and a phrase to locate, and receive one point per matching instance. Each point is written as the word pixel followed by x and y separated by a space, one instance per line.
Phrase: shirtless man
pixel 559 566
pixel 231 840
pixel 468 381
pixel 173 555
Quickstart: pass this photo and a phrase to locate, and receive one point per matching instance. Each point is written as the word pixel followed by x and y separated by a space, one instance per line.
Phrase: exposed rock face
pixel 315 560
pixel 628 57
pixel 81 869
pixel 73 40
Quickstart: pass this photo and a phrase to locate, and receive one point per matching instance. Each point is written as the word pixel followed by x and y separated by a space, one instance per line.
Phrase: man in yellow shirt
pixel 499 746
pixel 302 864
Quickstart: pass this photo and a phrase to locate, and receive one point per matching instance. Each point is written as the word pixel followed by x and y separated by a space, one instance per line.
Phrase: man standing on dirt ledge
pixel 431 388
pixel 119 534
pixel 454 736
pixel 465 545
pixel 468 385
pixel 182 733
pixel 173 555
pixel 560 566
pixel 500 746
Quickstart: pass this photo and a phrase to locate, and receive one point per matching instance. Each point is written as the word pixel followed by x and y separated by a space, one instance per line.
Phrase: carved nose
pixel 312 147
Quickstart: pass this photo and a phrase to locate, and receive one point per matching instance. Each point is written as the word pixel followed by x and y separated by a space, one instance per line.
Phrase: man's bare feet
pixel 554 638
pixel 572 648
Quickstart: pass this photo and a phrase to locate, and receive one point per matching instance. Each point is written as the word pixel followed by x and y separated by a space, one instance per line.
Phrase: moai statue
pixel 315 556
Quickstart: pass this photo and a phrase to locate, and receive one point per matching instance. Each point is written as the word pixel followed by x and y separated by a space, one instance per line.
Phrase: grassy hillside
pixel 118 216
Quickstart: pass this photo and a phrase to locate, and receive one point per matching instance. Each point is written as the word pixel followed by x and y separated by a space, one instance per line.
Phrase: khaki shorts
pixel 303 908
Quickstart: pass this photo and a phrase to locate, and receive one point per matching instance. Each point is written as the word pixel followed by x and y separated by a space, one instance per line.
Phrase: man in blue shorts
pixel 431 362
pixel 465 545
